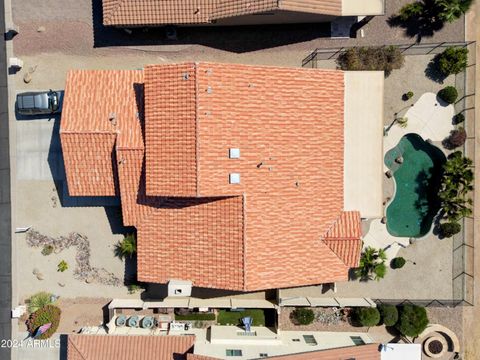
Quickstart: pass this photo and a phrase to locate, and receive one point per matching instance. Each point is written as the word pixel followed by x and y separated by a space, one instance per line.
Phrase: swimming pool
pixel 417 182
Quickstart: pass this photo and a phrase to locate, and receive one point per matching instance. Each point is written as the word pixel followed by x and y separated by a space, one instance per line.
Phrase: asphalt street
pixel 5 208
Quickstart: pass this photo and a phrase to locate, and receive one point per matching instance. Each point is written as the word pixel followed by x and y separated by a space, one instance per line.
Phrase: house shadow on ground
pixel 237 39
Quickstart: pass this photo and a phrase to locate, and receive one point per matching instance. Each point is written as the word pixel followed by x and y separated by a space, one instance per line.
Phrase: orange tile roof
pixel 193 239
pixel 361 352
pixel 101 110
pixel 150 12
pixel 123 347
pixel 283 225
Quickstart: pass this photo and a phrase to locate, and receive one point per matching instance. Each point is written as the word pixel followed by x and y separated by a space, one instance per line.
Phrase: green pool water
pixel 417 180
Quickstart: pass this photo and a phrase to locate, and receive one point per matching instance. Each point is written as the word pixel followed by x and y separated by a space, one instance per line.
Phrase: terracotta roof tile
pixel 270 232
pixel 150 12
pixel 170 107
pixel 122 347
pixel 196 239
pixel 344 238
pixel 361 352
pixel 101 110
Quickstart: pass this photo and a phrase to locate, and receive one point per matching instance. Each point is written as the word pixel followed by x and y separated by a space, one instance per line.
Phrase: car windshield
pixel 53 100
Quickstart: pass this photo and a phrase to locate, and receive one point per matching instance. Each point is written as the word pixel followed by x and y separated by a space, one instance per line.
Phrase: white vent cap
pixel 234 153
pixel 234 178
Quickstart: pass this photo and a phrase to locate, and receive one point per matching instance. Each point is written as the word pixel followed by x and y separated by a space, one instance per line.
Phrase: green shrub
pixel 408 95
pixel 303 316
pixel 397 263
pixel 127 247
pixel 451 10
pixel 411 10
pixel 372 58
pixel 458 119
pixel 47 250
pixel 196 316
pixel 368 316
pixel 389 314
pixel 412 320
pixel 47 314
pixel 449 229
pixel 448 94
pixel 62 266
pixel 38 301
pixel 453 60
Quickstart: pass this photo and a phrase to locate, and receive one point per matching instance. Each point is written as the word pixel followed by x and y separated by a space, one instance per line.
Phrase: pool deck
pixel 430 118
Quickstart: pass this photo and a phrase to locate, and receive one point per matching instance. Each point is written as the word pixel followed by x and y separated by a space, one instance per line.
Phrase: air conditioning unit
pixel 121 320
pixel 133 321
pixel 148 322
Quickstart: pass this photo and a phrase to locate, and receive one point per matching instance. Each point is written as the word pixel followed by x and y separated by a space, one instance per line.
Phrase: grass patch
pixel 235 317
pixel 196 316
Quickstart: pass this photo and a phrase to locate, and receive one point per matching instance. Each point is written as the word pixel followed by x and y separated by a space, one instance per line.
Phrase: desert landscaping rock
pixel 61 284
pixel 83 270
pixel 27 78
pixel 40 276
pixel 41 29
pixel 35 271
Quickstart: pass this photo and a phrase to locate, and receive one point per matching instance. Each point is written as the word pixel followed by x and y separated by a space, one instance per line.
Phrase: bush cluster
pixel 448 94
pixel 303 316
pixel 368 316
pixel 412 320
pixel 453 60
pixel 372 58
pixel 449 229
pixel 457 138
pixel 397 263
pixel 47 314
pixel 389 314
pixel 39 300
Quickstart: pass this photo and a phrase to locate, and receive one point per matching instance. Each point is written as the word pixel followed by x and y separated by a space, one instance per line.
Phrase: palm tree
pixel 451 10
pixel 127 247
pixel 372 264
pixel 457 182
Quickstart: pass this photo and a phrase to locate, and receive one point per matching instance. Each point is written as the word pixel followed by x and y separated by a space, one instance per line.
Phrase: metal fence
pixel 463 243
pixel 311 60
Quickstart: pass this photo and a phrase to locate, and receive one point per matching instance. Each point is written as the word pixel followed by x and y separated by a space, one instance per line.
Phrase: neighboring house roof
pixel 123 347
pixel 155 12
pixel 361 352
pixel 282 226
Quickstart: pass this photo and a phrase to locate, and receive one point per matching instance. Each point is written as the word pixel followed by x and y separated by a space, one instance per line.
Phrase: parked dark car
pixel 39 103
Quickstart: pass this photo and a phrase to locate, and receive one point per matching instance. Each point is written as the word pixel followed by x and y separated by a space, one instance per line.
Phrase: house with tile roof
pixel 236 177
pixel 188 347
pixel 131 13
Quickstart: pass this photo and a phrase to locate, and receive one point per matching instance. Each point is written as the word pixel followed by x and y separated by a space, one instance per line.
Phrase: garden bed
pixel 226 317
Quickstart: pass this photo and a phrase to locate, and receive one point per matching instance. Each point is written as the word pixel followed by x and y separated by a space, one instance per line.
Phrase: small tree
pixel 303 316
pixel 62 266
pixel 453 60
pixel 389 314
pixel 48 314
pixel 412 320
pixel 449 229
pixel 127 247
pixel 451 10
pixel 368 316
pixel 448 94
pixel 397 263
pixel 372 264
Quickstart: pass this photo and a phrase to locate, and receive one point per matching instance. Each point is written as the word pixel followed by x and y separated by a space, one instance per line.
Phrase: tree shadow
pixel 237 39
pixel 421 25
pixel 432 71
